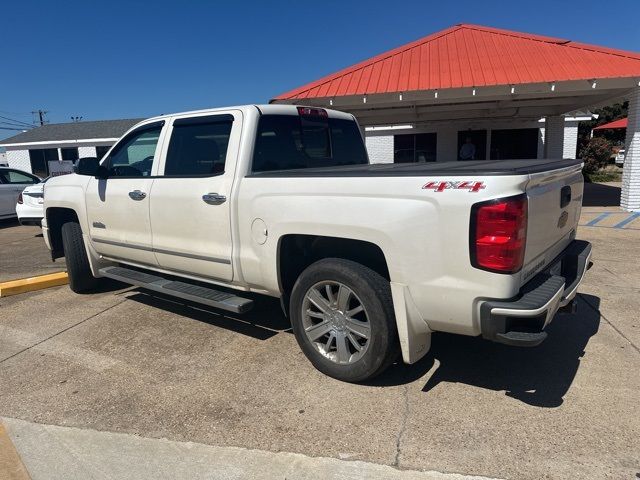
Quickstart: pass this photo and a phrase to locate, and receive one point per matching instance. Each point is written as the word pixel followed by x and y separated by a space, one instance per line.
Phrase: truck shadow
pixel 539 376
pixel 599 195
pixel 263 322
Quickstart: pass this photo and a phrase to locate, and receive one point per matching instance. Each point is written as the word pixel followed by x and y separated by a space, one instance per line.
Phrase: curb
pixel 11 466
pixel 14 287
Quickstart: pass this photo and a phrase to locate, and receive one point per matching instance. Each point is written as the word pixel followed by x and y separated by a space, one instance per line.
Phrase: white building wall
pixel 380 148
pixel 570 147
pixel 630 198
pixel 86 152
pixel 19 159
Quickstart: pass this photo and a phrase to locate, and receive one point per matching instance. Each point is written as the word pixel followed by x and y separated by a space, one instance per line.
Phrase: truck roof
pixel 278 109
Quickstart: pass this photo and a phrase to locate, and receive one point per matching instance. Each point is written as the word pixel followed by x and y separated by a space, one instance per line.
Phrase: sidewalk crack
pixel 403 428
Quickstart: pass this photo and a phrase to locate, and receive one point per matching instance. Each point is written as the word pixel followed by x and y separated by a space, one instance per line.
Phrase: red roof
pixel 473 56
pixel 620 123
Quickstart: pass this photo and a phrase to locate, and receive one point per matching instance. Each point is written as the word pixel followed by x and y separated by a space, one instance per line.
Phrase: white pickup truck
pixel 368 260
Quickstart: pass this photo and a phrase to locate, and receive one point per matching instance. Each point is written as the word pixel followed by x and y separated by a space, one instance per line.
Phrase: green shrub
pixel 596 154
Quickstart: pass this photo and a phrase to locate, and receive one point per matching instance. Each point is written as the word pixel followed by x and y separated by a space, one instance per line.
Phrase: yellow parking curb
pixel 11 466
pixel 31 284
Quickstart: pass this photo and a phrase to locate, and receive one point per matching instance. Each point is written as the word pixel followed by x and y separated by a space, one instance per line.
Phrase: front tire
pixel 342 316
pixel 81 280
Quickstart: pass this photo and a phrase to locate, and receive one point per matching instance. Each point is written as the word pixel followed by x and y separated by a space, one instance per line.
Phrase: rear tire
pixel 81 280
pixel 343 319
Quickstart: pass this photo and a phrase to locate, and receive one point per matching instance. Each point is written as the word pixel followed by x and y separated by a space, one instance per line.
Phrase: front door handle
pixel 214 198
pixel 137 195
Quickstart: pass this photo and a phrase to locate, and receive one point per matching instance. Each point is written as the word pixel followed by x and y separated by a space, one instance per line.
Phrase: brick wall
pixel 570 139
pixel 380 148
pixel 630 198
pixel 19 159
pixel 86 152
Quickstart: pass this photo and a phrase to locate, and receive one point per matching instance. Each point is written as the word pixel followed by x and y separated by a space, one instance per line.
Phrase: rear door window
pixel 286 142
pixel 198 146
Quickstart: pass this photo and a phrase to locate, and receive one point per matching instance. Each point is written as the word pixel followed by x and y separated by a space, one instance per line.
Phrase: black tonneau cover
pixel 454 168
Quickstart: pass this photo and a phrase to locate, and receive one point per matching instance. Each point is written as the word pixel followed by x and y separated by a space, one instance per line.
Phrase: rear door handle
pixel 137 195
pixel 214 198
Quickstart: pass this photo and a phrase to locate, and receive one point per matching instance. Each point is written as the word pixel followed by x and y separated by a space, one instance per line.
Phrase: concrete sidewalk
pixel 62 453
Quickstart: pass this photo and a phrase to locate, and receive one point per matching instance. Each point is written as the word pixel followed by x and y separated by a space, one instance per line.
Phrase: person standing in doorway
pixel 468 150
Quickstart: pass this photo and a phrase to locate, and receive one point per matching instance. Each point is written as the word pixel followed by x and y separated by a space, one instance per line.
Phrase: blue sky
pixel 114 59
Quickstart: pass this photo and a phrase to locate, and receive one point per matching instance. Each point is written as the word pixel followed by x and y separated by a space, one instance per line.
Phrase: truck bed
pixel 453 168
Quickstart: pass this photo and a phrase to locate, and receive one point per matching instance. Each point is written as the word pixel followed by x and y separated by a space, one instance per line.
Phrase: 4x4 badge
pixel 470 185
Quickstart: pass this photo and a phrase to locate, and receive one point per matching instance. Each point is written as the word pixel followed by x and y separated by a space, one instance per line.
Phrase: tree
pixel 596 154
pixel 605 115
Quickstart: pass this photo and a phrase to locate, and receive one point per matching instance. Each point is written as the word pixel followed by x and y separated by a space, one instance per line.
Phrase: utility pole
pixel 41 113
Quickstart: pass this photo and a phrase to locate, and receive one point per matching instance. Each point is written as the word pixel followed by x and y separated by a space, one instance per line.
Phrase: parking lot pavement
pixel 127 361
pixel 23 252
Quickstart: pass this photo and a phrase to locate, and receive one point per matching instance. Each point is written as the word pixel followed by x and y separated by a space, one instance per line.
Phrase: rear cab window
pixel 308 140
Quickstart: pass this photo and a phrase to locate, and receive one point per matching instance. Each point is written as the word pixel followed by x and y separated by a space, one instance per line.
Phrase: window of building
pixel 133 155
pixel 287 142
pixel 101 151
pixel 40 158
pixel 514 143
pixel 198 146
pixel 419 147
pixel 472 145
pixel 70 153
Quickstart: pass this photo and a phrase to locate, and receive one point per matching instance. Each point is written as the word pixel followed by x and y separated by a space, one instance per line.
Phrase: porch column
pixel 630 198
pixel 554 137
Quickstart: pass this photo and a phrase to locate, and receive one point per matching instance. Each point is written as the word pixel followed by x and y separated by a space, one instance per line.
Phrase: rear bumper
pixel 521 321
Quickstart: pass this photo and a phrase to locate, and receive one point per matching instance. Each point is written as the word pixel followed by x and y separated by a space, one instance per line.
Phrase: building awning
pixel 473 56
pixel 471 71
pixel 620 123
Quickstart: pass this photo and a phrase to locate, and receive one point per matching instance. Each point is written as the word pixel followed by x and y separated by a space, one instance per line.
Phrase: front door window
pixel 133 156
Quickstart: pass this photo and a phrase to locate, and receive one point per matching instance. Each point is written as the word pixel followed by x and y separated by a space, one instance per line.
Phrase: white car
pixel 620 158
pixel 30 206
pixel 12 182
pixel 368 260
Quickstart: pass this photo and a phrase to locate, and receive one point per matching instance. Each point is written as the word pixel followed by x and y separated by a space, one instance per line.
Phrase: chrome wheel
pixel 336 322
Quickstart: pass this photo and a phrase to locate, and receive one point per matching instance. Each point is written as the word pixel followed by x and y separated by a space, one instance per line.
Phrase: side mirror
pixel 101 173
pixel 86 166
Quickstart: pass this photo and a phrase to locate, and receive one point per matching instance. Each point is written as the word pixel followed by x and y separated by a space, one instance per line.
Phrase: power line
pixel 14 124
pixel 20 122
pixel 9 128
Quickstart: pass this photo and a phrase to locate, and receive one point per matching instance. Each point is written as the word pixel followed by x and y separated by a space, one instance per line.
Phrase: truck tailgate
pixel 555 201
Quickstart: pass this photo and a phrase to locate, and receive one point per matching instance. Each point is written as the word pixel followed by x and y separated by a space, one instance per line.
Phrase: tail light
pixel 498 234
pixel 20 199
pixel 312 112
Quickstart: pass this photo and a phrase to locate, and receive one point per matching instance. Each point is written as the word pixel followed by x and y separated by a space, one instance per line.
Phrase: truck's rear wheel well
pixel 56 217
pixel 297 252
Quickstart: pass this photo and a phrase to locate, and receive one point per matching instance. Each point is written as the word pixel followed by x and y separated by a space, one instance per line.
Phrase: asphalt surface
pixel 130 362
pixel 23 252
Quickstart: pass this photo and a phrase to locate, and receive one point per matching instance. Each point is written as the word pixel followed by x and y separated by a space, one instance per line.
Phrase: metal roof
pixel 56 132
pixel 620 123
pixel 473 56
